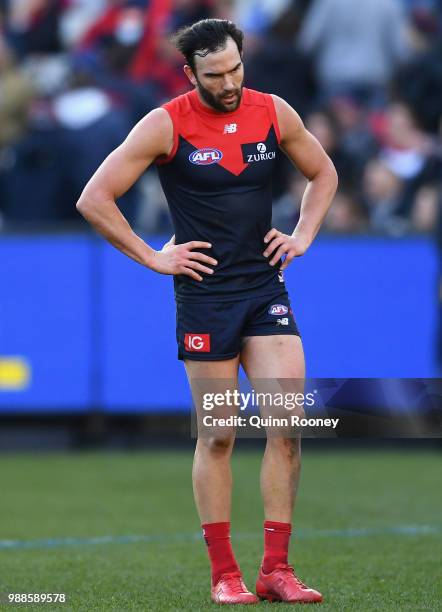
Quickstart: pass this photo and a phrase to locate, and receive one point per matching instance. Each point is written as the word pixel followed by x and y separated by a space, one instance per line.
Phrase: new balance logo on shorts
pixel 197 343
pixel 284 321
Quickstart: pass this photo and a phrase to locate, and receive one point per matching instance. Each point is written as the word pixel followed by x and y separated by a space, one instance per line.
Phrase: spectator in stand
pixel 383 192
pixel 355 134
pixel 33 26
pixel 90 127
pixel 16 95
pixel 426 209
pixel 405 146
pixel 274 65
pixel 346 215
pixel 419 85
pixel 156 59
pixel 356 46
pixel 76 19
pixel 29 158
pixel 134 59
pixel 426 21
pixel 255 17
pixel 108 51
pixel 349 166
pixel 405 150
pixel 166 67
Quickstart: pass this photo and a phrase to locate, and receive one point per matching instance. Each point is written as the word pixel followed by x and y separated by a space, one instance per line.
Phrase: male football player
pixel 215 149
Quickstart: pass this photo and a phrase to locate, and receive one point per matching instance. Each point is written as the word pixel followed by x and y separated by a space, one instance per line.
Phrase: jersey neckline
pixel 200 107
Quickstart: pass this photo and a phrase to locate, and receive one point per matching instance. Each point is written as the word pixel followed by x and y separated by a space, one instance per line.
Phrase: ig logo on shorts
pixel 278 310
pixel 197 343
pixel 205 157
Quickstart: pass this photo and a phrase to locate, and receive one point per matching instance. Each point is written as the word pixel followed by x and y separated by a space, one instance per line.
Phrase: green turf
pixel 87 495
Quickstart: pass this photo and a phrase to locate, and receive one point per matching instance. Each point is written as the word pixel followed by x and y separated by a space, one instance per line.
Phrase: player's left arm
pixel 309 157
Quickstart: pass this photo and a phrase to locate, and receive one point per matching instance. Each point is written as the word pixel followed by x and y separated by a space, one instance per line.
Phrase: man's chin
pixel 229 107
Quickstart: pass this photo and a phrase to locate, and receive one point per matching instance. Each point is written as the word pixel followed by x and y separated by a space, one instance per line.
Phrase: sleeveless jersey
pixel 217 181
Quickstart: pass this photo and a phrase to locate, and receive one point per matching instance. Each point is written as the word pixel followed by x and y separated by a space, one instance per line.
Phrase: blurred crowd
pixel 365 76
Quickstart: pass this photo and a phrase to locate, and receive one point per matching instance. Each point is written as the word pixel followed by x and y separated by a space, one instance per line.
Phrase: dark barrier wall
pixel 82 327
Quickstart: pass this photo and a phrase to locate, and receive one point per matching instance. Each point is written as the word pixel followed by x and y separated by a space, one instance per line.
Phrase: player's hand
pixel 279 244
pixel 182 259
pixel 170 243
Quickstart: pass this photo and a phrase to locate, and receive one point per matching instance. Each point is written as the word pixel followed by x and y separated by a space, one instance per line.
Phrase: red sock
pixel 222 559
pixel 276 544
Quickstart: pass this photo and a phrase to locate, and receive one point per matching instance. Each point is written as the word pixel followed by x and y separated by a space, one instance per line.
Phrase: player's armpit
pixel 302 148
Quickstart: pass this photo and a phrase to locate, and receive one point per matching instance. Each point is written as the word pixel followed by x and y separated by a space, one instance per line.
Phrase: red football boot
pixel 230 589
pixel 283 585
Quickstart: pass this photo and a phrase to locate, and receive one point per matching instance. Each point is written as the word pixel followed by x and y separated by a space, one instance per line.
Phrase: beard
pixel 216 102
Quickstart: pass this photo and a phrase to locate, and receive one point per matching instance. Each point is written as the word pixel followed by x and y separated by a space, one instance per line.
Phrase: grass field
pixel 368 530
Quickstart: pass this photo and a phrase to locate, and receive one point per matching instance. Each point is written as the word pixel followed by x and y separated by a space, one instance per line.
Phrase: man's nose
pixel 229 85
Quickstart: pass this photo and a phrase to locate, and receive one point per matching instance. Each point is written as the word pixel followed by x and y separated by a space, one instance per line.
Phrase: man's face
pixel 219 78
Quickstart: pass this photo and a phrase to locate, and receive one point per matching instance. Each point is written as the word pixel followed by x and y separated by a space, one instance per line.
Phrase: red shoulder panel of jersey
pixel 205 128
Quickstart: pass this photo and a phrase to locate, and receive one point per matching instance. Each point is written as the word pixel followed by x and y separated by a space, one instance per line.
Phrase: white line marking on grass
pixel 303 534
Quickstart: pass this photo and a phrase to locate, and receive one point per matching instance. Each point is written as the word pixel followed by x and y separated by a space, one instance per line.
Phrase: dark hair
pixel 206 36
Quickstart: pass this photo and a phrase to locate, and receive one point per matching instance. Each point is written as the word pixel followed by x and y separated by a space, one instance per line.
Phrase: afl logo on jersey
pixel 206 156
pixel 278 309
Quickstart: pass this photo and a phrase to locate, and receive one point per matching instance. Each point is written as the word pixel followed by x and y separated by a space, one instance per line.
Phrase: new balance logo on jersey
pixel 261 155
pixel 284 321
pixel 197 343
pixel 230 128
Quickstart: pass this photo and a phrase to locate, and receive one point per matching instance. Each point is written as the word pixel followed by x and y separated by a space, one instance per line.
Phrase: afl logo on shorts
pixel 197 343
pixel 278 310
pixel 205 157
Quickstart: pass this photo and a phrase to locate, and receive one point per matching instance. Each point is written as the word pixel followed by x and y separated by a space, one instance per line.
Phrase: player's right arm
pixel 152 137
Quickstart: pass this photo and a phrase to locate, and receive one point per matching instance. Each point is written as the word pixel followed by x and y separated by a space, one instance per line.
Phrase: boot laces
pixel 291 570
pixel 236 583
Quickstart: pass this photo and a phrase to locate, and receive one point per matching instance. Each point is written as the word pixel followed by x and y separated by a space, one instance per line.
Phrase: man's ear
pixel 189 74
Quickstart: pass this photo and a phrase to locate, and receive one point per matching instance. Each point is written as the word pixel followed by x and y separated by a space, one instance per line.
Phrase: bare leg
pixel 212 477
pixel 280 472
pixel 278 357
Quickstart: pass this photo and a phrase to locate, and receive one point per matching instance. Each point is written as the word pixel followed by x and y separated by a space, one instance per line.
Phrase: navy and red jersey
pixel 217 181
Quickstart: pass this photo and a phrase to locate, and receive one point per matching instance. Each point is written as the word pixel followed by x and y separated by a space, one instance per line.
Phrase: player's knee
pixel 219 445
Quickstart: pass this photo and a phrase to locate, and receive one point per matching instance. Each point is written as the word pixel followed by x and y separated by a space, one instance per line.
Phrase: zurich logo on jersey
pixel 206 156
pixel 278 309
